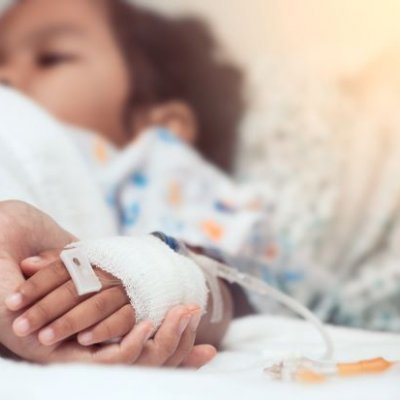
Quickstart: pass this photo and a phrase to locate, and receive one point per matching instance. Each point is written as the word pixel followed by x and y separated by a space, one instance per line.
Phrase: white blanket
pixel 234 374
pixel 30 142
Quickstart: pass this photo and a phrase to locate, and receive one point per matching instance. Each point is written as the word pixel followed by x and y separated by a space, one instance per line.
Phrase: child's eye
pixel 48 60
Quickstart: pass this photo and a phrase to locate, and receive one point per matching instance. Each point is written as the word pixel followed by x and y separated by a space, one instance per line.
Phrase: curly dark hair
pixel 177 59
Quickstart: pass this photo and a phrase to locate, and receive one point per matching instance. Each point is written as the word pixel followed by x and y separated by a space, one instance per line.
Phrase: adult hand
pixel 24 232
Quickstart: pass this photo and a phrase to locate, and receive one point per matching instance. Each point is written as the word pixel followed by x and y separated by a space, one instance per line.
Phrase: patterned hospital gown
pixel 306 233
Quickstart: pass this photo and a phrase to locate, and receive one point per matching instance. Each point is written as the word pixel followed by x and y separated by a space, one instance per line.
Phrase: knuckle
pixel 122 355
pixel 104 331
pixel 65 325
pixel 108 330
pixel 181 355
pixel 186 348
pixel 71 290
pixel 29 289
pixel 125 357
pixel 100 304
pixel 38 315
pixel 58 270
pixel 118 294
pixel 128 315
pixel 167 347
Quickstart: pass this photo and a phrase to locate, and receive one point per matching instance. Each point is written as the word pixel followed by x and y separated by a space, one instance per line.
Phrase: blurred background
pixel 330 35
pixel 322 65
pixel 311 66
pixel 333 36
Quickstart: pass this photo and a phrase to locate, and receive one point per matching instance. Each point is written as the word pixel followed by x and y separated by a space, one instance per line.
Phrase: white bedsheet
pixel 234 374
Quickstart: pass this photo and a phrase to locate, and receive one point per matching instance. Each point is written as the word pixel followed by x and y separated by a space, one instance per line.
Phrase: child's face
pixel 62 54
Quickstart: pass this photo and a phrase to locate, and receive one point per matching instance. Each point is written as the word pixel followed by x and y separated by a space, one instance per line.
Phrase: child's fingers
pixel 116 325
pixel 167 338
pixel 200 355
pixel 84 315
pixel 128 351
pixel 36 287
pixel 186 343
pixel 130 348
pixel 125 352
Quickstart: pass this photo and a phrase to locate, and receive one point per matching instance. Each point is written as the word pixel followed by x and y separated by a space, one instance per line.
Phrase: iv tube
pixel 257 285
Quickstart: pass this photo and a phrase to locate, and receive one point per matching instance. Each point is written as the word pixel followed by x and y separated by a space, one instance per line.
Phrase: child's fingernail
pixel 14 301
pixel 195 321
pixel 21 326
pixel 85 338
pixel 47 336
pixel 33 260
pixel 183 324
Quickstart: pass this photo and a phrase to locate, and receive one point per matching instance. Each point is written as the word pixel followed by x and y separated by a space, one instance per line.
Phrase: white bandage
pixel 155 277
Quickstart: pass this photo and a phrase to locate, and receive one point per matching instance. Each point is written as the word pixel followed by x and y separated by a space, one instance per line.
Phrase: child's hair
pixel 176 59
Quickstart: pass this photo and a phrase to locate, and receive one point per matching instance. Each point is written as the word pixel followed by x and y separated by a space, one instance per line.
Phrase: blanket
pixel 40 165
pixel 236 373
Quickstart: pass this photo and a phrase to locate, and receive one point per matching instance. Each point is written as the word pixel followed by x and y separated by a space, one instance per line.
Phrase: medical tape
pixel 81 271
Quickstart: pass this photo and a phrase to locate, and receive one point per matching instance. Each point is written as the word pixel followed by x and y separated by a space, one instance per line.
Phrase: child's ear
pixel 176 116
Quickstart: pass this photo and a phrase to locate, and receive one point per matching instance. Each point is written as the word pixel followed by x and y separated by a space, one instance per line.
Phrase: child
pixel 68 59
pixel 242 215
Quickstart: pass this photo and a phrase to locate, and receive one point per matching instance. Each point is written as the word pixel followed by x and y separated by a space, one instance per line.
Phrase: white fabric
pixel 155 277
pixel 40 165
pixel 235 374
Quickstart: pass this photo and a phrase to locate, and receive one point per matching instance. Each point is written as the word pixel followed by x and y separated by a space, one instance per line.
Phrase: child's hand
pixel 59 312
pixel 173 344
